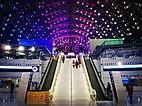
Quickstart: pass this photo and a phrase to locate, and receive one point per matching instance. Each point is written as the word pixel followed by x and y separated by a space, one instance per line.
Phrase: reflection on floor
pixel 8 99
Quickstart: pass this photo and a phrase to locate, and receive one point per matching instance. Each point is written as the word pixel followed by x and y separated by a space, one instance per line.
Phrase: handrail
pixel 100 82
pixel 47 69
pixel 51 90
pixel 91 90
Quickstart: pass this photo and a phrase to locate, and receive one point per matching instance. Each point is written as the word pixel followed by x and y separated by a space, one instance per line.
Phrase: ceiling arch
pixel 49 19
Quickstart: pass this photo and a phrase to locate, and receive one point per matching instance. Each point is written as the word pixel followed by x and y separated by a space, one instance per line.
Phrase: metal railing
pixel 92 91
pixel 51 90
pixel 46 72
pixel 98 77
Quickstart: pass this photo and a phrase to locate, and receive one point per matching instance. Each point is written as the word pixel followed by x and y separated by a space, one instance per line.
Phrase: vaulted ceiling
pixel 84 19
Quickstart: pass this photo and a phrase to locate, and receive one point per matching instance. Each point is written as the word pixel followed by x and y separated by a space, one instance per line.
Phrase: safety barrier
pixel 37 97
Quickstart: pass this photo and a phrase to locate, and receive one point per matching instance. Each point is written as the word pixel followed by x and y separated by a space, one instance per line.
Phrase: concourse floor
pixel 71 90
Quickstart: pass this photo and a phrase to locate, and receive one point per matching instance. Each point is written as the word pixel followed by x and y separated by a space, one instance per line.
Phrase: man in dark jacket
pixel 12 86
pixel 130 92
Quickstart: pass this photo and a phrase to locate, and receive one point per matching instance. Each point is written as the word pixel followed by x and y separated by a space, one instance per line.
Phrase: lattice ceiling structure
pixel 68 21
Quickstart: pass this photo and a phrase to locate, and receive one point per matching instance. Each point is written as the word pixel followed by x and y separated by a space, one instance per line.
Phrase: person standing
pixel 109 91
pixel 76 64
pixel 79 62
pixel 108 86
pixel 63 59
pixel 12 86
pixel 36 85
pixel 73 63
pixel 130 92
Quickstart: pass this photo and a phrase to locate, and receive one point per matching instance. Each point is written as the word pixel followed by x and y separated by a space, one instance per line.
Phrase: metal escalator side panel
pixel 91 90
pixel 87 66
pixel 45 74
pixel 98 76
pixel 94 81
pixel 50 76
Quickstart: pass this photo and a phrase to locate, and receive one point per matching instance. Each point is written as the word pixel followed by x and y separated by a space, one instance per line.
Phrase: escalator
pixel 45 83
pixel 47 79
pixel 95 79
pixel 71 88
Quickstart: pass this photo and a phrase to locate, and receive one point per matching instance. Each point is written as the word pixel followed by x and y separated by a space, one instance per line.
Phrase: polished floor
pixel 6 99
pixel 71 90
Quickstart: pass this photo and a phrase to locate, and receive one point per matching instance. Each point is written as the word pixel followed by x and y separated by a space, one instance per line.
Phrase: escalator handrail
pixel 45 74
pixel 98 77
pixel 51 90
pixel 91 90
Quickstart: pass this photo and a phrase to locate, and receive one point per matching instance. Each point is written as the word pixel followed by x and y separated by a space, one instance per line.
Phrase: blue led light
pixel 17 3
pixel 21 16
pixel 14 8
pixel 38 19
pixel 21 31
pixel 3 29
pixel 5 24
pixel 9 15
pixel 19 35
pixel 13 30
pixel 34 12
pixel 1 5
pixel 11 34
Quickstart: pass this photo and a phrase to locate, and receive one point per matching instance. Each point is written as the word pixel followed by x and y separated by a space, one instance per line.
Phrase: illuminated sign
pixel 122 67
pixel 19 68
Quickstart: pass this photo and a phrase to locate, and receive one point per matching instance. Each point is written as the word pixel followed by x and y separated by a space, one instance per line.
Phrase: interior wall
pixel 37 42
pixel 96 42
